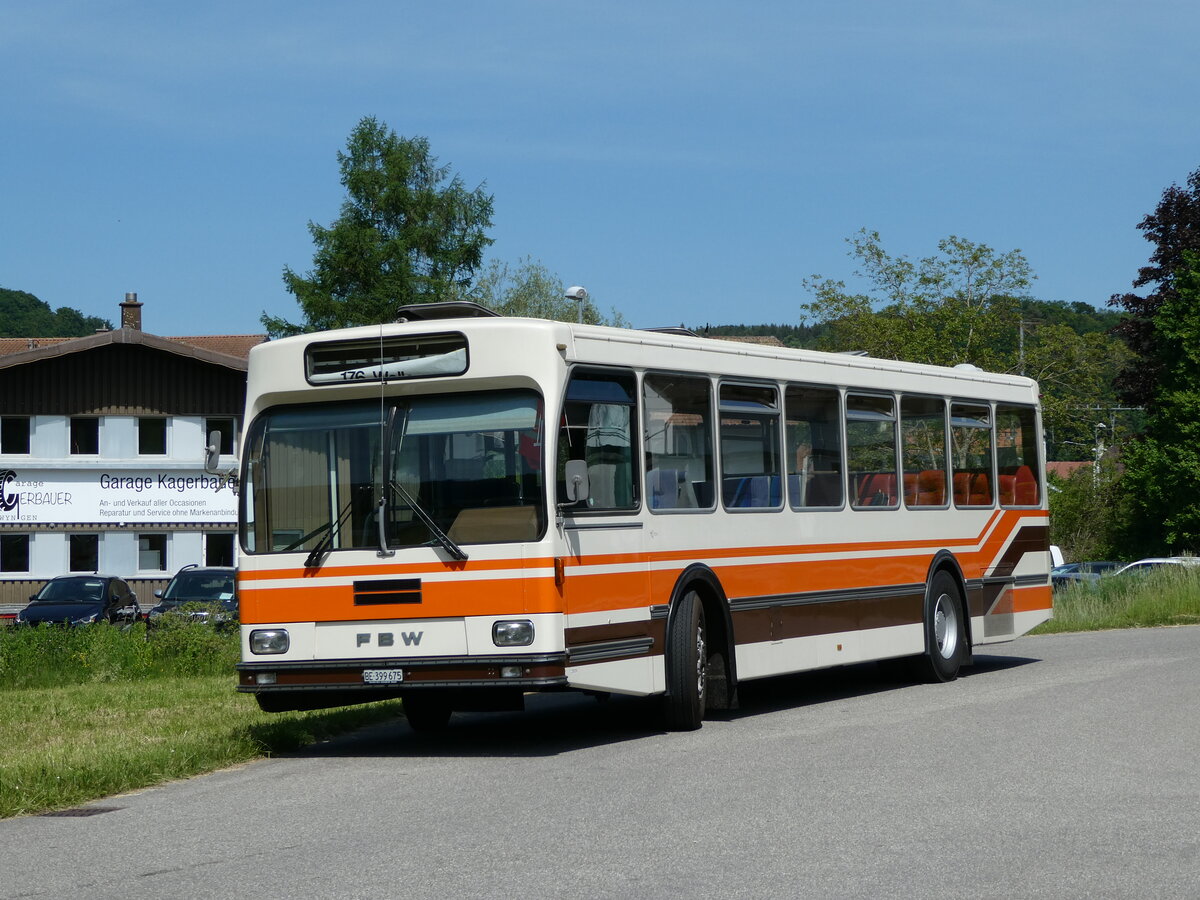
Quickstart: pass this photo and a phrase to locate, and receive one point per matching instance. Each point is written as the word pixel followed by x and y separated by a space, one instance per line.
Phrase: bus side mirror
pixel 212 453
pixel 577 480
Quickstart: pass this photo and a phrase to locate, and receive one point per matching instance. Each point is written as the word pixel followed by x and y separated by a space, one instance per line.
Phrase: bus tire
pixel 687 665
pixel 945 630
pixel 426 713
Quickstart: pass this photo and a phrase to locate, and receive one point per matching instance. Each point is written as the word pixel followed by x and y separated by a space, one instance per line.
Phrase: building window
pixel 14 553
pixel 226 430
pixel 85 435
pixel 218 549
pixel 152 436
pixel 14 434
pixel 84 552
pixel 152 552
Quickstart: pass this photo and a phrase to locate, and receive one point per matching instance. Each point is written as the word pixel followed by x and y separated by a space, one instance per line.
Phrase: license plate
pixel 382 676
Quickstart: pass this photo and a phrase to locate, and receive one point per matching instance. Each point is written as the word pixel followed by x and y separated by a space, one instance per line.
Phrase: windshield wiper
pixel 427 520
pixel 326 531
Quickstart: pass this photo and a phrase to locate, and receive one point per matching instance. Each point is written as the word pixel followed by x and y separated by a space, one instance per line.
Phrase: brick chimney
pixel 131 313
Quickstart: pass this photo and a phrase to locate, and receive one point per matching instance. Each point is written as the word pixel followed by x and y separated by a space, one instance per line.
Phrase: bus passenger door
pixel 601 568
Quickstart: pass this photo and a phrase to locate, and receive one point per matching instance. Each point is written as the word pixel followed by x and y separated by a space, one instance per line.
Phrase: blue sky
pixel 686 162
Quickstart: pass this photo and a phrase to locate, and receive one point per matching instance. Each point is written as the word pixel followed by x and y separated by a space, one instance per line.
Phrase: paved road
pixel 1058 767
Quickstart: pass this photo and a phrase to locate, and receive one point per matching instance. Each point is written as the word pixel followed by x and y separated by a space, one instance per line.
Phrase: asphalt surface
pixel 1060 766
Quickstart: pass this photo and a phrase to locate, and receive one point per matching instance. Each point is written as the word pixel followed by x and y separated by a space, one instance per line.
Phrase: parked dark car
pixel 215 585
pixel 1087 572
pixel 82 600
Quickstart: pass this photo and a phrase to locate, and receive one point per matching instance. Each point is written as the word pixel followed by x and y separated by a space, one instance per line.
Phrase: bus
pixel 461 508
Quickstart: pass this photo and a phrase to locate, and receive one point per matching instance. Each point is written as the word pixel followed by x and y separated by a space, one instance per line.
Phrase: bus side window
pixel 679 442
pixel 1017 455
pixel 750 476
pixel 813 430
pixel 971 449
pixel 597 427
pixel 871 450
pixel 923 450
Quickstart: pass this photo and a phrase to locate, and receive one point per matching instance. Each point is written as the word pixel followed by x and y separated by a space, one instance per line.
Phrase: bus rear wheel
pixel 945 630
pixel 687 665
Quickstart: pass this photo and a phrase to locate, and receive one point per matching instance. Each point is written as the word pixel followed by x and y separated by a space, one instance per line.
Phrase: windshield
pixel 208 587
pixel 317 475
pixel 72 590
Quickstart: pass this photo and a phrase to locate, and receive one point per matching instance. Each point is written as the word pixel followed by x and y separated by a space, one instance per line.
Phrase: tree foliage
pixel 967 304
pixel 1162 477
pixel 958 306
pixel 24 315
pixel 409 232
pixel 530 289
pixel 1174 229
pixel 1087 513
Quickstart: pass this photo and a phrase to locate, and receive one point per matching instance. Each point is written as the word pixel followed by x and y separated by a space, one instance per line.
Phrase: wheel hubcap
pixel 700 661
pixel 945 626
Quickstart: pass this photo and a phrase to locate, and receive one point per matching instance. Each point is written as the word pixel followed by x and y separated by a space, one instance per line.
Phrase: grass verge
pixel 90 712
pixel 69 744
pixel 1170 596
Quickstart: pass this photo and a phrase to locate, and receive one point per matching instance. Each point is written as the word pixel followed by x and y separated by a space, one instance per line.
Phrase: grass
pixel 1170 596
pixel 91 712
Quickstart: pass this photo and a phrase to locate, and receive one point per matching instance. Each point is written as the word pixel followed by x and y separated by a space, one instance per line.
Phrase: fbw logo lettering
pixel 10 500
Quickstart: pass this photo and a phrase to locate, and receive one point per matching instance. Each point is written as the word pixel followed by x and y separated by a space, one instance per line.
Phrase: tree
pixel 408 233
pixel 1162 477
pixel 966 304
pixel 24 315
pixel 1174 229
pixel 1087 512
pixel 530 289
pixel 959 306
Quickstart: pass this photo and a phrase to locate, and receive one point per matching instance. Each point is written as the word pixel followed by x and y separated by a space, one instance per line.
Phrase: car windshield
pixel 207 587
pixel 72 590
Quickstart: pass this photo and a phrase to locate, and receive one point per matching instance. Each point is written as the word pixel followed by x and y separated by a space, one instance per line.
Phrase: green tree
pixel 966 304
pixel 958 306
pixel 24 315
pixel 1086 513
pixel 1174 229
pixel 1162 465
pixel 530 289
pixel 408 233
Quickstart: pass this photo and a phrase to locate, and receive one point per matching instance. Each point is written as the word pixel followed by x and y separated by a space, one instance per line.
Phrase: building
pixel 102 445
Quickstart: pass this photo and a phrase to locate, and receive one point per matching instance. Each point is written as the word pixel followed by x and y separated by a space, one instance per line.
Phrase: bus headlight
pixel 514 633
pixel 269 640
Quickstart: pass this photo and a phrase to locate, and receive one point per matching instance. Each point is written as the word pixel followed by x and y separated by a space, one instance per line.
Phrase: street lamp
pixel 578 294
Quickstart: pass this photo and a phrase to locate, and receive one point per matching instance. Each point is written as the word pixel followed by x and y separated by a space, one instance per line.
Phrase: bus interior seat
pixel 876 489
pixel 669 489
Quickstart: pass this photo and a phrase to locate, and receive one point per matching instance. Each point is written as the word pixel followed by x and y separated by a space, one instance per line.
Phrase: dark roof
pixel 222 350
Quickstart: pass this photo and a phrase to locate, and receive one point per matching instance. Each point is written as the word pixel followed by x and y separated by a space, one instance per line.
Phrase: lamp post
pixel 578 294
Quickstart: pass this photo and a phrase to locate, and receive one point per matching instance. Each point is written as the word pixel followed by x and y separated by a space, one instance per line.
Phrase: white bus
pixel 460 509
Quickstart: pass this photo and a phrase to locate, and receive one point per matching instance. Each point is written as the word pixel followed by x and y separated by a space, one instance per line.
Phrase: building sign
pixel 56 496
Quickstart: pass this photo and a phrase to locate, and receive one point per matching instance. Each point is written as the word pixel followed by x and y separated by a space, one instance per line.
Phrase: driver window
pixel 597 427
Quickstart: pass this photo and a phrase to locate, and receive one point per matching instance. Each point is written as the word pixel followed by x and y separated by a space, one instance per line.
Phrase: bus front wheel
pixel 945 630
pixel 687 665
